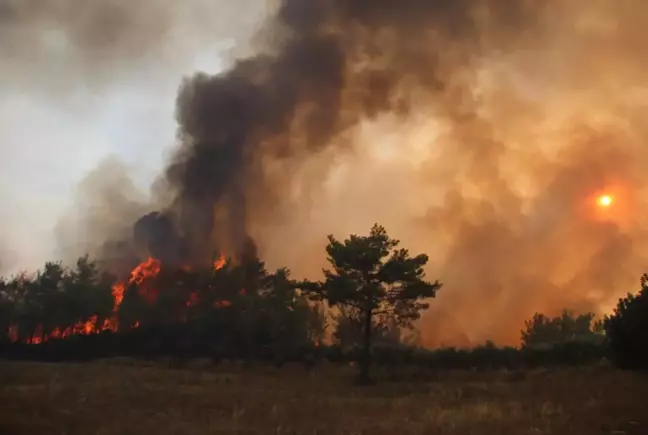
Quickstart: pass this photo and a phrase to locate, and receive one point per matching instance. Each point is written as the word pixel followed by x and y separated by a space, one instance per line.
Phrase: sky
pixel 62 112
pixel 42 166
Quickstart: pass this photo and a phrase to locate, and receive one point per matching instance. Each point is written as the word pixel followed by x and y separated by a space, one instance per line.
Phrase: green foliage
pixel 542 330
pixel 627 329
pixel 374 280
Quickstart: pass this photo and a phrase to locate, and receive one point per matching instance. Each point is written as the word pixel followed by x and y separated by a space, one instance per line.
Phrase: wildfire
pixel 141 276
pixel 147 269
pixel 118 295
pixel 219 262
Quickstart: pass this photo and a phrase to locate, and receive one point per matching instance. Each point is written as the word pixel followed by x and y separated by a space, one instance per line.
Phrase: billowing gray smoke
pixel 518 112
pixel 477 131
pixel 331 65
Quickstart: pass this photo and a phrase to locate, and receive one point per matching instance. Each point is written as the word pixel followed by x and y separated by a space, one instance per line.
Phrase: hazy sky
pixel 62 110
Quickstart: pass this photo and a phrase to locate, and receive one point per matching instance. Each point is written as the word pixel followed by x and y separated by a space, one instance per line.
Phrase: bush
pixel 627 330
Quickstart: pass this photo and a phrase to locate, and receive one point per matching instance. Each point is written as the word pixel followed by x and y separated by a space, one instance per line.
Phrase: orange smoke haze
pixel 484 134
pixel 498 176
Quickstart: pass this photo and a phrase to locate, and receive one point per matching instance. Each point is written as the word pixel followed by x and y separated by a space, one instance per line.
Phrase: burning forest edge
pixel 237 309
pixel 143 283
pixel 486 95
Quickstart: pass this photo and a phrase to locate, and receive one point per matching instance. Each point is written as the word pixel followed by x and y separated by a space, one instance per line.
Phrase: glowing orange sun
pixel 605 201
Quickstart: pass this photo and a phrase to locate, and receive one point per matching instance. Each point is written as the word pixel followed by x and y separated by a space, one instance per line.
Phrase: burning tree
pixel 57 302
pixel 377 281
pixel 237 307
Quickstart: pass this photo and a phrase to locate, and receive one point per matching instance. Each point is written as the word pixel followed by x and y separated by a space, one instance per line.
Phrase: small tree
pixel 377 280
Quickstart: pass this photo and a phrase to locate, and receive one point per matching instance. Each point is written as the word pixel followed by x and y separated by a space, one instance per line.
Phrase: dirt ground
pixel 123 397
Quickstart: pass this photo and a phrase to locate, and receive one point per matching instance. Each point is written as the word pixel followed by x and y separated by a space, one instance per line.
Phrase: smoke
pixel 477 131
pixel 81 80
pixel 93 45
pixel 6 257
pixel 333 65
pixel 101 222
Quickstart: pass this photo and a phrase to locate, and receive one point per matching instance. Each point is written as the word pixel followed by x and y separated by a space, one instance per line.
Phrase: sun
pixel 605 200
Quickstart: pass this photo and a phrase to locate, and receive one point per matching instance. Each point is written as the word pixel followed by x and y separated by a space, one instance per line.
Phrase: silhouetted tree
pixel 51 284
pixel 89 292
pixel 30 309
pixel 542 330
pixel 626 329
pixel 7 309
pixel 289 320
pixel 379 281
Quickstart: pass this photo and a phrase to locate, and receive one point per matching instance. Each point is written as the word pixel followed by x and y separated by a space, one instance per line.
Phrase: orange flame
pixel 219 262
pixel 118 295
pixel 147 269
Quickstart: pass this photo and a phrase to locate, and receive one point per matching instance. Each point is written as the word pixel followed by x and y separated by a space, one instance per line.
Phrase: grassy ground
pixel 123 397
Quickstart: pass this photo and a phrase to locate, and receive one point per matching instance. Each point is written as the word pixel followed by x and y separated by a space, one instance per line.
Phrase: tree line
pixel 239 309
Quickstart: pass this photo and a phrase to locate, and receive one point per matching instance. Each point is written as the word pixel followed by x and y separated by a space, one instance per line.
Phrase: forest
pixel 364 310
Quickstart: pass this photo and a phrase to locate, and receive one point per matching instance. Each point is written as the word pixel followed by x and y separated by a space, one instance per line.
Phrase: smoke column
pixel 479 132
pixel 82 82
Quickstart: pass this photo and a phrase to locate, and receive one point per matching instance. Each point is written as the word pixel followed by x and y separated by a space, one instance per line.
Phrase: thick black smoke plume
pixel 331 64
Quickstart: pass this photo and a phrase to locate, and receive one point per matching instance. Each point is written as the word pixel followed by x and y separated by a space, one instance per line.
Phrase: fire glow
pixel 142 276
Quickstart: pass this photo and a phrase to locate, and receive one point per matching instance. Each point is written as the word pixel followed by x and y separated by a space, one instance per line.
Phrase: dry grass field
pixel 123 397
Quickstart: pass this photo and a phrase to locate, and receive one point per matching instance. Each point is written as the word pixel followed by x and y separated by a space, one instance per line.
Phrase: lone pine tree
pixel 371 276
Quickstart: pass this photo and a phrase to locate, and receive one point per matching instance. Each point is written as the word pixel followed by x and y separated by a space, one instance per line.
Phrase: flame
pixel 139 276
pixel 219 262
pixel 147 269
pixel 118 295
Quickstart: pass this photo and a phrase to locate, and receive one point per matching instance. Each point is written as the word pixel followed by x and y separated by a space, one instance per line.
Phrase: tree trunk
pixel 365 360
